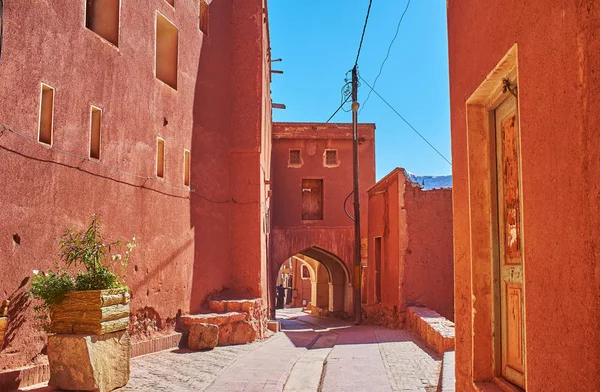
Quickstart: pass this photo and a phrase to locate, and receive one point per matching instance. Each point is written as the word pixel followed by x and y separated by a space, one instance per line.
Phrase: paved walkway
pixel 311 354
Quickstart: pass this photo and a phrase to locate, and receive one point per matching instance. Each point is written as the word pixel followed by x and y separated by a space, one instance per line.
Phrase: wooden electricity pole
pixel 357 265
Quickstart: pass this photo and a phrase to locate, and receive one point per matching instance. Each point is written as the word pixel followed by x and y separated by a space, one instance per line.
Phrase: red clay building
pixel 312 177
pixel 157 115
pixel 525 107
pixel 409 250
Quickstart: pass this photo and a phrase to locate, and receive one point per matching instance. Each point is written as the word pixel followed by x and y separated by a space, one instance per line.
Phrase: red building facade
pixel 312 178
pixel 158 116
pixel 409 250
pixel 525 144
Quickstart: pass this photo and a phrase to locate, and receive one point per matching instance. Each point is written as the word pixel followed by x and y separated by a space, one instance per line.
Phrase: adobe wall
pixel 415 228
pixel 558 90
pixel 429 266
pixel 183 237
pixel 335 232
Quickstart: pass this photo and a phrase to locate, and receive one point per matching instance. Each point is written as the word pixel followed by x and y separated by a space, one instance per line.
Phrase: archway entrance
pixel 316 281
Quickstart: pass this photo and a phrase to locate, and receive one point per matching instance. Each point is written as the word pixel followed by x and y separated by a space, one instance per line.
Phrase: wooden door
pixel 512 290
pixel 312 199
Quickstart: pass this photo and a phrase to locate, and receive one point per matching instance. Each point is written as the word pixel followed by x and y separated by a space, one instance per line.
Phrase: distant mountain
pixel 428 183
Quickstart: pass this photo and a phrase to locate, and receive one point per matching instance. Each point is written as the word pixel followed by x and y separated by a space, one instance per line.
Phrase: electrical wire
pixel 406 121
pixel 338 109
pixel 362 37
pixel 4 128
pixel 387 54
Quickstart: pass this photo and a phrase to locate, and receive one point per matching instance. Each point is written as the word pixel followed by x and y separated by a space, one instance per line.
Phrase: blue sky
pixel 318 41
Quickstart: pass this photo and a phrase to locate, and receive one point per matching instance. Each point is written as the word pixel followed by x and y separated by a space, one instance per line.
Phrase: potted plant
pixel 88 308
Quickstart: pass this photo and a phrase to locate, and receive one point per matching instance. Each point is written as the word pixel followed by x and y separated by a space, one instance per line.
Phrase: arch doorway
pixel 317 281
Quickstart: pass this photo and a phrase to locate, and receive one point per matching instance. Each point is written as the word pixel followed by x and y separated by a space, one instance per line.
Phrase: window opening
pixel 305 272
pixel 102 17
pixel 171 3
pixel 46 114
pixel 1 25
pixel 312 199
pixel 186 167
pixel 167 47
pixel 95 132
pixel 160 158
pixel 203 23
pixel 331 157
pixel 295 158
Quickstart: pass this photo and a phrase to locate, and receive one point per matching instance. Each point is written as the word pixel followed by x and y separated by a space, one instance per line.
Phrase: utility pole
pixel 357 265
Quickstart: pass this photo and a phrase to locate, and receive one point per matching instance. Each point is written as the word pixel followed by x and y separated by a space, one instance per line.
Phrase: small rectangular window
pixel 160 158
pixel 167 51
pixel 186 167
pixel 102 17
pixel 203 24
pixel 305 272
pixel 312 199
pixel 295 158
pixel 331 158
pixel 95 131
pixel 46 114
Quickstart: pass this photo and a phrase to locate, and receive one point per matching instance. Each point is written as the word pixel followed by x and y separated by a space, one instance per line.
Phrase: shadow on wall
pixel 211 200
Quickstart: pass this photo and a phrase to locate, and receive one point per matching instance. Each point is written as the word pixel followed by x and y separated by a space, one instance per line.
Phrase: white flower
pixel 35 272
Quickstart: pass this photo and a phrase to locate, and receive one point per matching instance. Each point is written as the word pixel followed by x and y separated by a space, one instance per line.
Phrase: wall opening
pixel 102 17
pixel 160 157
pixel 203 22
pixel 1 25
pixel 95 132
pixel 305 272
pixel 171 3
pixel 186 167
pixel 331 158
pixel 295 158
pixel 167 51
pixel 46 114
pixel 312 199
pixel 378 269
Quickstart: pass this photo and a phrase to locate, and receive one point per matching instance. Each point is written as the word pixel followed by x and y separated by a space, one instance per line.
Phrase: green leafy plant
pixel 99 256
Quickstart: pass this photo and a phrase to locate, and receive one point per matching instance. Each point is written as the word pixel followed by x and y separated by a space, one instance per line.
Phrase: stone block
pixel 203 337
pixel 274 326
pixel 225 332
pixel 89 362
pixel 242 333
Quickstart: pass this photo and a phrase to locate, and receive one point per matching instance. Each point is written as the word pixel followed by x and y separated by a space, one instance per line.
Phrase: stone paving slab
pixel 352 358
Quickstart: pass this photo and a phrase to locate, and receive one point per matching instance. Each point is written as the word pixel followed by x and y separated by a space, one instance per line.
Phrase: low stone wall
pixel 378 314
pixel 436 331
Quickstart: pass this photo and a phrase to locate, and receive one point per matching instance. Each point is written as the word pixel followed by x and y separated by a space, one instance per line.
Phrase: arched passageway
pixel 315 280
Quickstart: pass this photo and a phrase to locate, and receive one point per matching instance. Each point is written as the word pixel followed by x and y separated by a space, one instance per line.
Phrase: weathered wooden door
pixel 312 199
pixel 512 290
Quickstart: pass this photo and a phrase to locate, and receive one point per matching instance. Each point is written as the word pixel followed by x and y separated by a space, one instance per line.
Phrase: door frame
pixel 486 354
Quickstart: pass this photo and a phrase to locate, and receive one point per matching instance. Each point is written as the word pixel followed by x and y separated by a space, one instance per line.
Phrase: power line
pixel 406 121
pixel 362 37
pixel 388 53
pixel 338 109
pixel 4 128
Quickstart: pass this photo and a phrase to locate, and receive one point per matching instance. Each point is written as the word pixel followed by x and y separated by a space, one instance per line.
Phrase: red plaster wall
pixel 558 62
pixel 416 258
pixel 290 234
pixel 428 270
pixel 184 239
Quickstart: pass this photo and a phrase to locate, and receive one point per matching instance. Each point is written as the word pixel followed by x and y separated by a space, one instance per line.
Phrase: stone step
pixel 219 319
pixel 235 305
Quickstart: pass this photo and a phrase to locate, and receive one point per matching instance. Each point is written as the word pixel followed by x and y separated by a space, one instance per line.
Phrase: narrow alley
pixel 311 353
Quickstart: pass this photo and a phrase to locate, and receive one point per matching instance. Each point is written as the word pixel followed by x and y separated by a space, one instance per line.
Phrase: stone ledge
pixel 436 331
pixel 14 379
pixel 448 380
pixel 156 344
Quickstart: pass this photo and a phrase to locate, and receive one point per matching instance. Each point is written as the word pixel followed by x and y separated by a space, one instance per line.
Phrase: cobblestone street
pixel 310 354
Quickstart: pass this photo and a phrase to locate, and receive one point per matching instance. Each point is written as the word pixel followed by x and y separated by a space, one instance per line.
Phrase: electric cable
pixel 362 37
pixel 406 121
pixel 387 54
pixel 4 128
